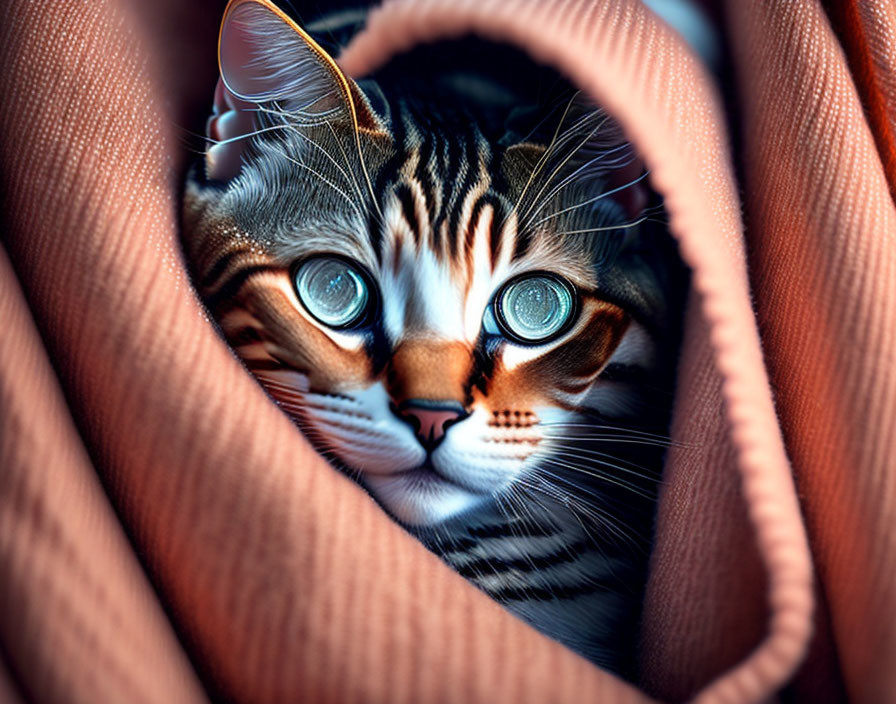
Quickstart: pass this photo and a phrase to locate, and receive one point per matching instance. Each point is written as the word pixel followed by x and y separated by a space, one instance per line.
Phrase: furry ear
pixel 583 149
pixel 600 151
pixel 266 57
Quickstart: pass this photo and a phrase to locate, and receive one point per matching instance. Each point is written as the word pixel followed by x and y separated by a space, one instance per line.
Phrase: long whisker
pixel 248 135
pixel 302 115
pixel 345 158
pixel 593 510
pixel 575 175
pixel 525 217
pixel 620 439
pixel 603 476
pixel 325 120
pixel 325 180
pixel 603 426
pixel 544 157
pixel 576 452
pixel 345 174
pixel 595 199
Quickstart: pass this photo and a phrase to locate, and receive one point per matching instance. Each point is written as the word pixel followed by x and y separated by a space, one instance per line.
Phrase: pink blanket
pixel 166 535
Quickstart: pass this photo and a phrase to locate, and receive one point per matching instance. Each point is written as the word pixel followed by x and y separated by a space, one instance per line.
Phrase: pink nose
pixel 430 419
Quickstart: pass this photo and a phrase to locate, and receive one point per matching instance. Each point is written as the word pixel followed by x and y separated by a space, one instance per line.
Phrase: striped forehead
pixel 435 269
pixel 448 238
pixel 437 279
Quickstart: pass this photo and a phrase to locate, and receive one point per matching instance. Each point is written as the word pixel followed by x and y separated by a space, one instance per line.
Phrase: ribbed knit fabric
pixel 824 271
pixel 166 534
pixel 72 591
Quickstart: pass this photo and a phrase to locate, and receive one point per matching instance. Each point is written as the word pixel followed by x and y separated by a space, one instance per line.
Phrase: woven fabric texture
pixel 167 535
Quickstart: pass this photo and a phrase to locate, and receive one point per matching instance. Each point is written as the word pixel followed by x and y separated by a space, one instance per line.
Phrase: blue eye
pixel 333 290
pixel 534 308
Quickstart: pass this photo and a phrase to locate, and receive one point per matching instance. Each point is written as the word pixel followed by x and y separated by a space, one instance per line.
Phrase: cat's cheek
pixel 360 429
pixel 378 458
pixel 366 448
pixel 476 456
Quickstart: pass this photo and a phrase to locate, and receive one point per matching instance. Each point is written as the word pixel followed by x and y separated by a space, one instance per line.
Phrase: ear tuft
pixel 586 149
pixel 603 153
pixel 231 121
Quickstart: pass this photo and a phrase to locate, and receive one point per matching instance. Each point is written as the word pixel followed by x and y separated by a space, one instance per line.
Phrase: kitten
pixel 448 275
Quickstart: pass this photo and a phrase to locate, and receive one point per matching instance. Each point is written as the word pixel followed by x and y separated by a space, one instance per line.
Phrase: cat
pixel 453 277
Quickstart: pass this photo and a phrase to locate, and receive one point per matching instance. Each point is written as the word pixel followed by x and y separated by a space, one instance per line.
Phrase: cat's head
pixel 440 310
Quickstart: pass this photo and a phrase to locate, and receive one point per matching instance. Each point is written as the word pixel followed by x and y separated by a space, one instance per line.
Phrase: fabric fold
pixel 823 258
pixel 166 534
pixel 80 622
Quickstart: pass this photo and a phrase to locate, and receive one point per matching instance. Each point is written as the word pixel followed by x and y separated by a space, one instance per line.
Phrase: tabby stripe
pixel 265 365
pixel 553 593
pixel 244 336
pixel 455 544
pixel 409 210
pixel 484 355
pixel 440 163
pixel 628 373
pixel 494 237
pixel 512 530
pixel 375 233
pixel 471 175
pixel 381 186
pixel 497 565
pixel 220 266
pixel 424 178
pixel 237 280
pixel 574 387
pixel 450 173
pixel 521 243
pixel 498 216
pixel 470 234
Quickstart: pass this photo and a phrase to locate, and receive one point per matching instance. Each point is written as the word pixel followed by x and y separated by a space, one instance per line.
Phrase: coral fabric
pixel 69 577
pixel 824 270
pixel 167 535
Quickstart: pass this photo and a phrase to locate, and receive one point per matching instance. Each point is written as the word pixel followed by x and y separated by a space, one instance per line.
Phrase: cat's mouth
pixel 422 495
pixel 424 475
pixel 428 472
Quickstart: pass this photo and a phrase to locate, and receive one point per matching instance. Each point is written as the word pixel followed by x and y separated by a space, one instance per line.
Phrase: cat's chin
pixel 420 497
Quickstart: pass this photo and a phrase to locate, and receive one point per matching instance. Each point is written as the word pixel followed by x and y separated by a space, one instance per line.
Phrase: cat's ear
pixel 267 62
pixel 580 145
pixel 265 57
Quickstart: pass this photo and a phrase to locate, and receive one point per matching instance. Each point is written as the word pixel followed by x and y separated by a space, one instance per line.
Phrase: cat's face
pixel 434 311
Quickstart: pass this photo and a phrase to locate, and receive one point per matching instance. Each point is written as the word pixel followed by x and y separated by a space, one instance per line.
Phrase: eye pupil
pixel 535 308
pixel 332 290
